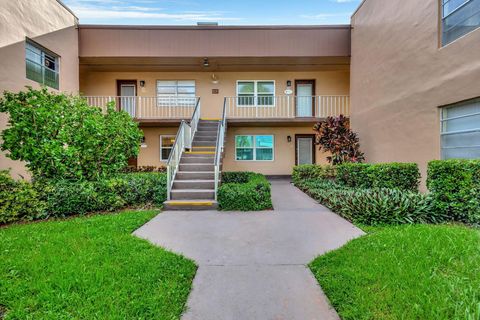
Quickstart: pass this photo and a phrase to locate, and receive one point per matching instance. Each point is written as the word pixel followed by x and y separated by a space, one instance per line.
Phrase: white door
pixel 127 99
pixel 305 150
pixel 304 99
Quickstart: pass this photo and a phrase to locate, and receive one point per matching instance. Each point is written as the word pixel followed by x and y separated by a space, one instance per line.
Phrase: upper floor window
pixel 42 65
pixel 256 93
pixel 460 125
pixel 459 17
pixel 176 92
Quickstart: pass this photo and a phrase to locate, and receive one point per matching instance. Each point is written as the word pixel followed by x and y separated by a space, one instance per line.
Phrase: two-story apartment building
pixel 412 70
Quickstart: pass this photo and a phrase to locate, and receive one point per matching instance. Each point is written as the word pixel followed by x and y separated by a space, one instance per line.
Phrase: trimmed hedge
pixel 370 206
pixel 244 191
pixel 455 189
pixel 18 200
pixel 64 198
pixel 313 171
pixel 21 201
pixel 402 176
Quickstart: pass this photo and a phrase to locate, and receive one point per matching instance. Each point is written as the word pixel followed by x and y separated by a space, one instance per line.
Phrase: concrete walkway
pixel 253 265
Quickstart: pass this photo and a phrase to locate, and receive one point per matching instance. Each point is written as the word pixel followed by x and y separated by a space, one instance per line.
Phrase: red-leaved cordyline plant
pixel 334 136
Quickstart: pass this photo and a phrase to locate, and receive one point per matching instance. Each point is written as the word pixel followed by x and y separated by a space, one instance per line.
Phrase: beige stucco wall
pixel 284 157
pixel 150 153
pixel 284 151
pixel 104 84
pixel 400 76
pixel 51 25
pixel 327 83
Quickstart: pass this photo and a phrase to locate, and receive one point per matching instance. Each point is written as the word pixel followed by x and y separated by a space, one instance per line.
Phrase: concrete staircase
pixel 194 183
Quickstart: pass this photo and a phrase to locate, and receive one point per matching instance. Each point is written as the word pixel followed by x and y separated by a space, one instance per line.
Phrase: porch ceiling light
pixel 206 64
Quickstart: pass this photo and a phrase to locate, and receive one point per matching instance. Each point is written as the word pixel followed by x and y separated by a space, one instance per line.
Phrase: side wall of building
pixel 52 26
pixel 400 76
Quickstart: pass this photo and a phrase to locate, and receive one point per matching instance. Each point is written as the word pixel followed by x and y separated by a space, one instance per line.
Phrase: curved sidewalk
pixel 253 265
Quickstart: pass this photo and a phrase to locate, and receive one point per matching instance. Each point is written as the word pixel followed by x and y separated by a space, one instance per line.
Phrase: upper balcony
pixel 149 109
pixel 287 108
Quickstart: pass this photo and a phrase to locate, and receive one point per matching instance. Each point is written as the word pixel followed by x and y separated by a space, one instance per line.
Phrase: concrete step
pixel 204 138
pixel 189 175
pixel 206 133
pixel 210 143
pixel 207 126
pixel 198 154
pixel 193 194
pixel 196 167
pixel 190 205
pixel 203 149
pixel 194 184
pixel 189 159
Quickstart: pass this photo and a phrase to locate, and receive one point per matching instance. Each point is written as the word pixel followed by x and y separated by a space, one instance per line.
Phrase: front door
pixel 305 92
pixel 127 92
pixel 304 149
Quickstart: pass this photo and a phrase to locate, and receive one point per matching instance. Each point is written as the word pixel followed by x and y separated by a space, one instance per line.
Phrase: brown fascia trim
pixel 60 2
pixel 184 27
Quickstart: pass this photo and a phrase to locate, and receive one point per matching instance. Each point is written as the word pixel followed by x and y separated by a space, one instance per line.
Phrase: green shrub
pixel 236 177
pixel 64 198
pixel 311 171
pixel 18 200
pixel 244 191
pixel 403 176
pixel 371 206
pixel 454 187
pixel 143 188
pixel 62 137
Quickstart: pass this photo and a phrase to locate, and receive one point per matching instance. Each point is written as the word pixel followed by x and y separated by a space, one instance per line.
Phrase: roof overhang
pixel 228 48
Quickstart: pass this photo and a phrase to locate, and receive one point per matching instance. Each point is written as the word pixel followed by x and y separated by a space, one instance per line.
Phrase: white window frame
pixel 175 97
pixel 255 94
pixel 161 145
pixel 44 52
pixel 255 147
pixel 444 120
pixel 444 16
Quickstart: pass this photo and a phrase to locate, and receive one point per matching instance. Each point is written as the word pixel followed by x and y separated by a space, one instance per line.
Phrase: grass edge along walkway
pixel 405 272
pixel 90 268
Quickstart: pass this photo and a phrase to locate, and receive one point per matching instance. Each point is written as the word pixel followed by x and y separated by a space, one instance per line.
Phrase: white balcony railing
pixel 149 107
pixel 286 107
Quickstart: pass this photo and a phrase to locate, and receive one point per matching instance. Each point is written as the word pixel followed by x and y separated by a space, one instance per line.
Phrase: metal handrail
pixel 183 140
pixel 222 127
pixel 194 121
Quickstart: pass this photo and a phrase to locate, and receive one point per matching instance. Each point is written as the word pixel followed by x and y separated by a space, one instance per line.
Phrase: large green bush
pixel 455 189
pixel 403 176
pixel 313 171
pixel 62 137
pixel 244 191
pixel 370 206
pixel 64 197
pixel 18 200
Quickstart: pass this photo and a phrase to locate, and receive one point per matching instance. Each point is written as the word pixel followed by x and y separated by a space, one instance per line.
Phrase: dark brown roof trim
pixel 181 27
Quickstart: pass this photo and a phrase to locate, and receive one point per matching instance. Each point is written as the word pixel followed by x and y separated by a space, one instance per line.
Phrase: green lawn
pixel 406 272
pixel 90 268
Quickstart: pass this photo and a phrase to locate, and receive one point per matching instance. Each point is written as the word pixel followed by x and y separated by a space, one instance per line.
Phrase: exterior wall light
pixel 289 83
pixel 289 138
pixel 206 64
pixel 142 83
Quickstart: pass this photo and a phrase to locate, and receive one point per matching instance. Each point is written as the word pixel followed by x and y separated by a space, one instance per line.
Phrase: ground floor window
pixel 166 145
pixel 254 148
pixel 460 130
